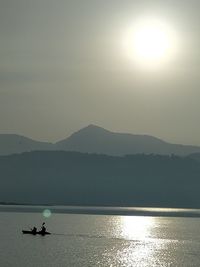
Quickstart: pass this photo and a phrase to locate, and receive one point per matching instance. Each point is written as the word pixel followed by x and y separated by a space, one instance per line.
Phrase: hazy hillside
pixel 195 156
pixel 12 143
pixel 84 179
pixel 94 139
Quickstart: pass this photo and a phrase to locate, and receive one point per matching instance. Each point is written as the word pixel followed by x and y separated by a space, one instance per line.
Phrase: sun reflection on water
pixel 138 251
pixel 137 227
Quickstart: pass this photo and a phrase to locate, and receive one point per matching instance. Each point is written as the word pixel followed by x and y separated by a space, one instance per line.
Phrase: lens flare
pixel 47 213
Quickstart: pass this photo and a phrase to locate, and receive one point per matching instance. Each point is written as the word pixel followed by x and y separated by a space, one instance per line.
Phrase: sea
pixel 138 237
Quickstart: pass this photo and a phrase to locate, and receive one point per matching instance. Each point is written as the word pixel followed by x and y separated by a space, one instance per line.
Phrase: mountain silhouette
pixel 95 139
pixel 12 143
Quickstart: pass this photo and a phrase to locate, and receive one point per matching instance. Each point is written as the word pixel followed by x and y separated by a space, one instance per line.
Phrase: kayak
pixel 28 232
pixel 37 233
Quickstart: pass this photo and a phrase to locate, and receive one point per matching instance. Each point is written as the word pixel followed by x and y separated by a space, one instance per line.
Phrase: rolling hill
pixel 12 144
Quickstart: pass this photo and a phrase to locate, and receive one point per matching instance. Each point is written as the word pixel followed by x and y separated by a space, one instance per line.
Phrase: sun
pixel 150 42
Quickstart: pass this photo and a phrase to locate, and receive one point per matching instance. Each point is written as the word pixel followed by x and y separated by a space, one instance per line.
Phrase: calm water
pixel 99 240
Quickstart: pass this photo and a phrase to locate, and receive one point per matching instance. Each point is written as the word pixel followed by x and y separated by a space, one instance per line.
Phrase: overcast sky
pixel 62 67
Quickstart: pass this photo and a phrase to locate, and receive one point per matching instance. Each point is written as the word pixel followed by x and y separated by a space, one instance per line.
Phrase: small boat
pixel 28 232
pixel 35 233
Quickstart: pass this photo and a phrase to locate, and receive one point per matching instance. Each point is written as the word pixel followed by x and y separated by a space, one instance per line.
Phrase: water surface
pixel 99 240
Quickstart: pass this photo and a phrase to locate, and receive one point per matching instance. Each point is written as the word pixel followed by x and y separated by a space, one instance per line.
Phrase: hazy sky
pixel 63 66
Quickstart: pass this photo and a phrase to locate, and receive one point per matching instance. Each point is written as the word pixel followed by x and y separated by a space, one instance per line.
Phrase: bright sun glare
pixel 150 42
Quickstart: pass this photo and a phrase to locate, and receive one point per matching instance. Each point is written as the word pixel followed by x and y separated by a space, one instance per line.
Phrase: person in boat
pixel 34 230
pixel 43 228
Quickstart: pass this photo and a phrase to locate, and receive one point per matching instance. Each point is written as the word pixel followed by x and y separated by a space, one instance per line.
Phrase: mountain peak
pixel 92 128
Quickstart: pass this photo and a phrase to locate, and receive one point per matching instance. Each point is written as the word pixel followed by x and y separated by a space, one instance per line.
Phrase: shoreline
pixel 92 210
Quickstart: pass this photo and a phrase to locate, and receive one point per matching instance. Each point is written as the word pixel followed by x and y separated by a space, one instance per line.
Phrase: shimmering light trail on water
pixel 140 229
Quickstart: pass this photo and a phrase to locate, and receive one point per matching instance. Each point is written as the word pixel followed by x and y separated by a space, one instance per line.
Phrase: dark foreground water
pixel 99 240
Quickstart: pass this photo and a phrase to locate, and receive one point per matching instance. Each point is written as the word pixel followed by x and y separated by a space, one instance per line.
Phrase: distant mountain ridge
pixel 95 139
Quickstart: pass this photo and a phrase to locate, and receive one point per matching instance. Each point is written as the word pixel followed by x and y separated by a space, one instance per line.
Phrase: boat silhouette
pixel 36 233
